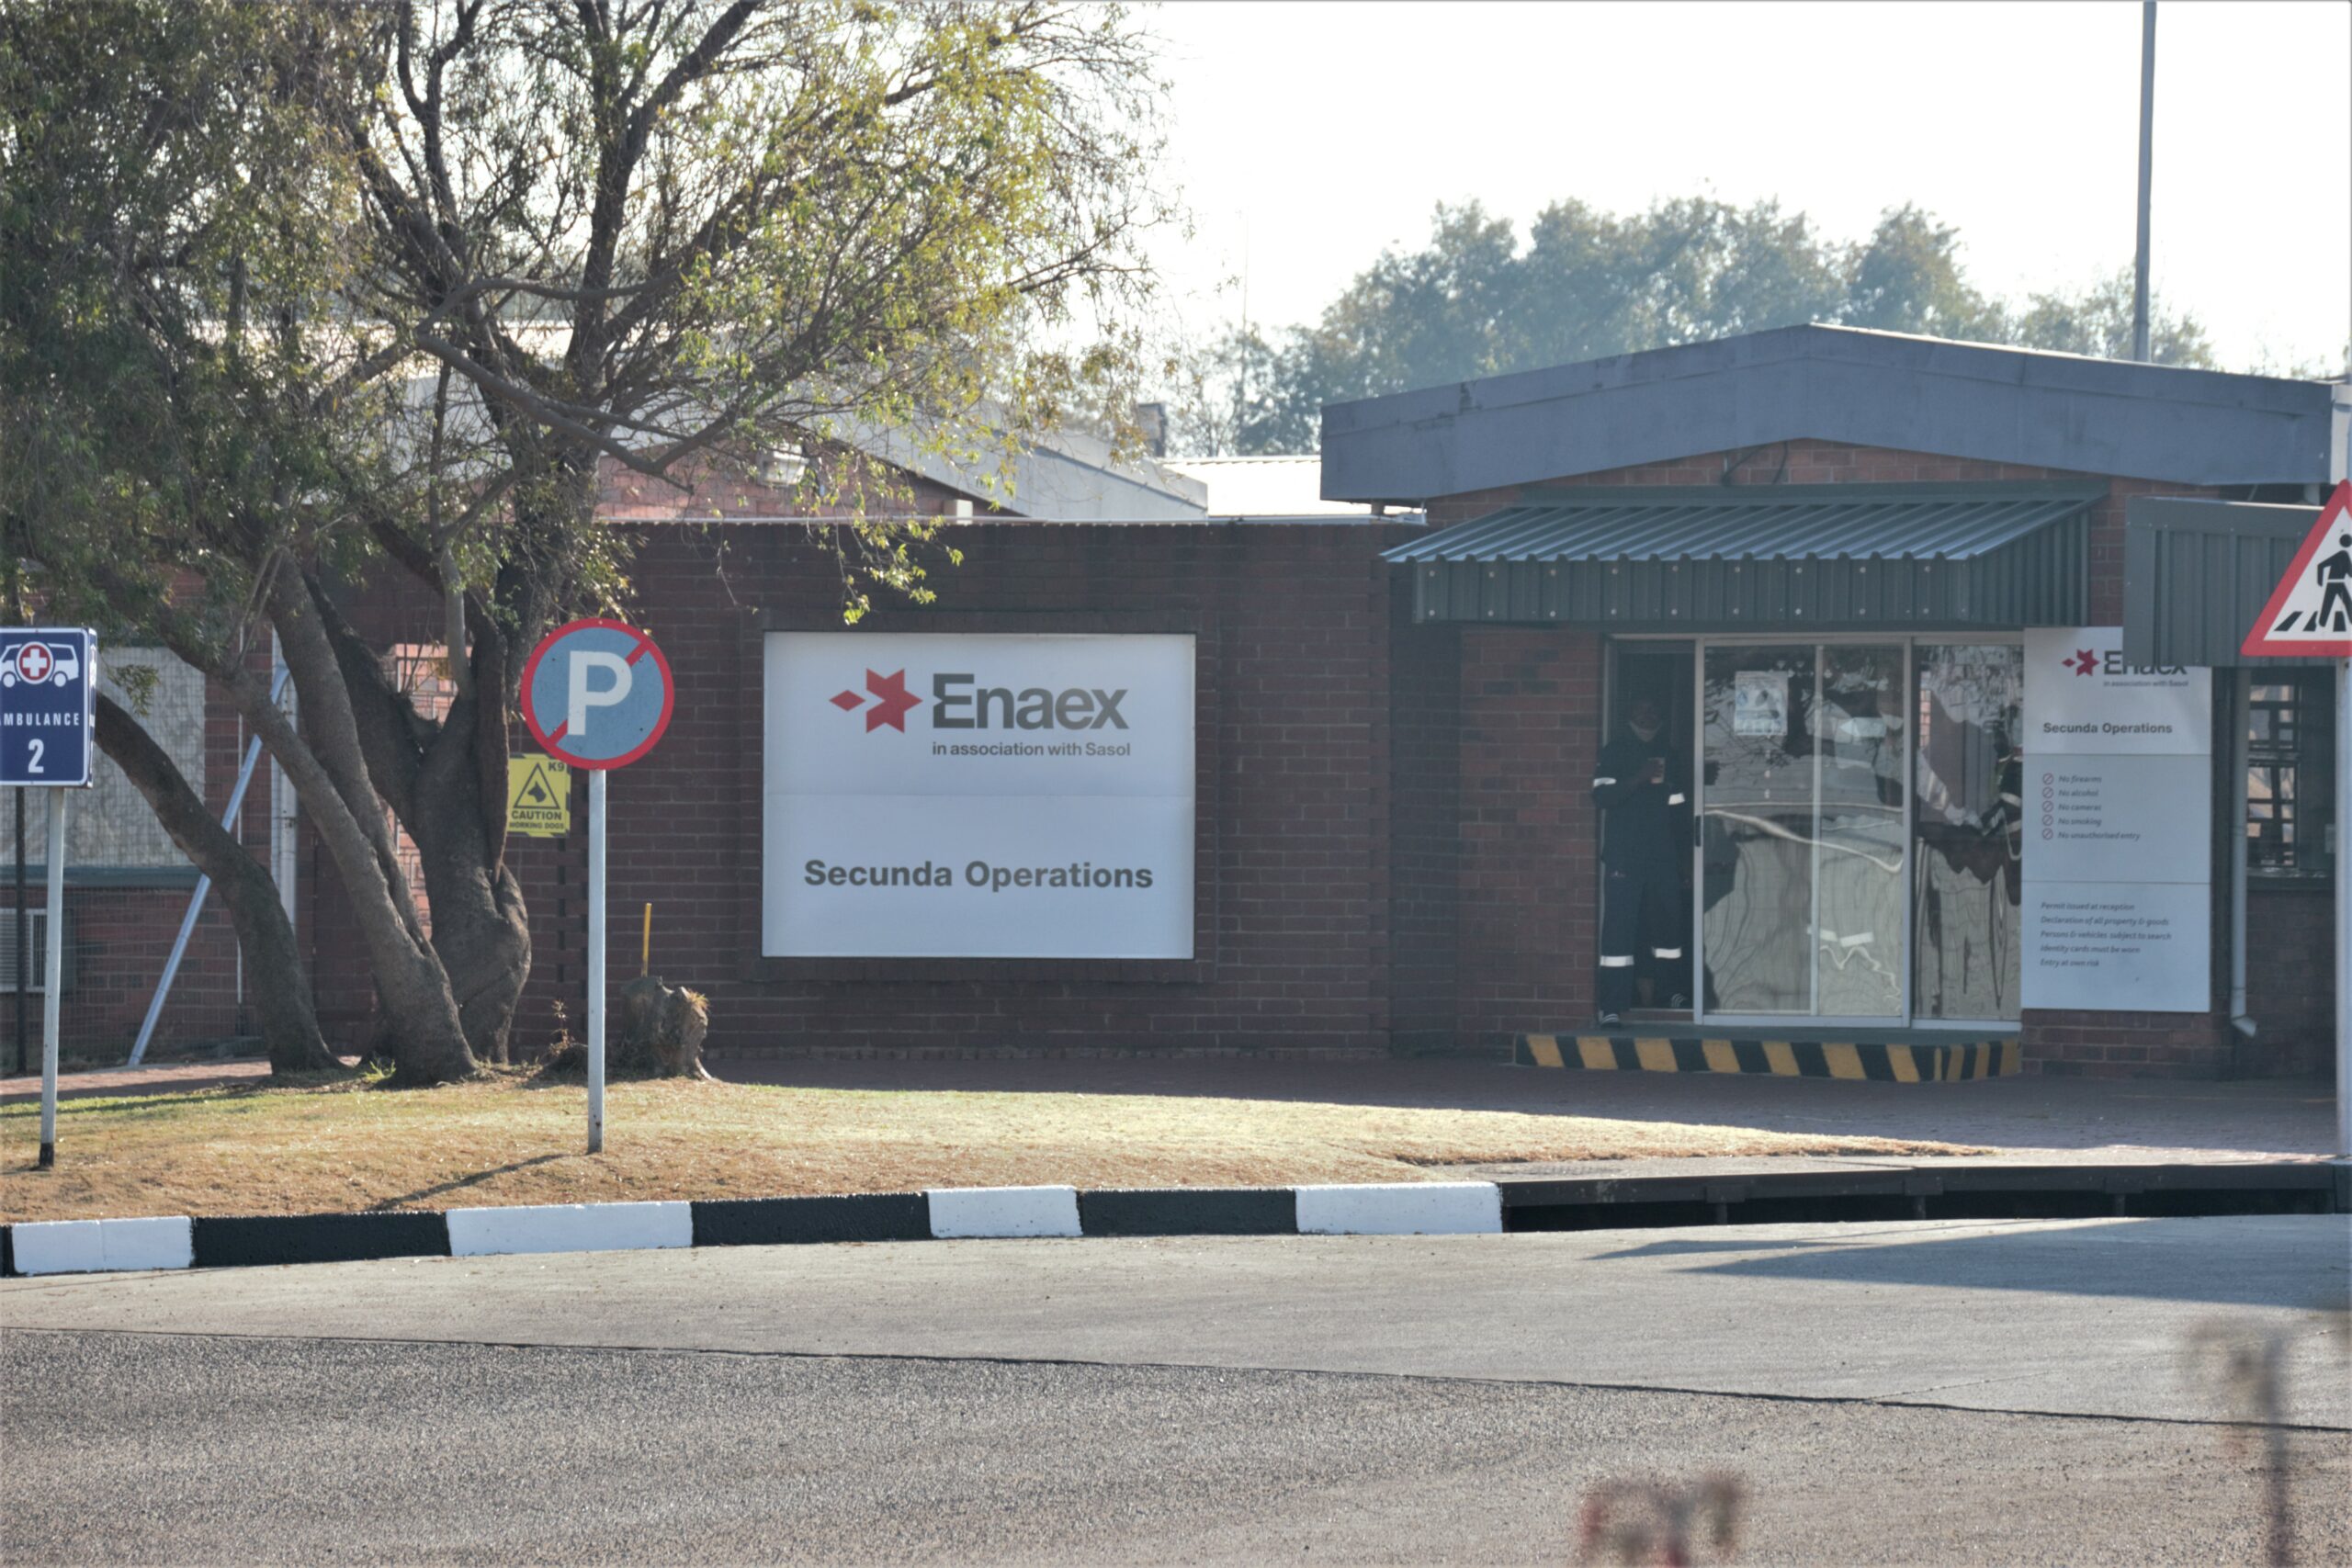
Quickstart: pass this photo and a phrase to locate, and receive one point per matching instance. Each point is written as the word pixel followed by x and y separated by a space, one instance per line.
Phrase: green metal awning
pixel 1854 557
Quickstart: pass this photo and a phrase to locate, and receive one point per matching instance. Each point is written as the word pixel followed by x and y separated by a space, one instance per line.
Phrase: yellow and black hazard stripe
pixel 1880 1060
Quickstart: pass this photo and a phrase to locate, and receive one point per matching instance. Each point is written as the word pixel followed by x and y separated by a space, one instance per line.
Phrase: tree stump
pixel 662 1031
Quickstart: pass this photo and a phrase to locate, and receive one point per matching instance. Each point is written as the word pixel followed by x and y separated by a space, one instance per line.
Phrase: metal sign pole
pixel 598 782
pixel 52 977
pixel 2343 909
pixel 597 695
pixel 24 945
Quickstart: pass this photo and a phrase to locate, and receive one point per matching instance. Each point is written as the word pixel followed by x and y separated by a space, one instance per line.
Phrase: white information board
pixel 939 795
pixel 2118 827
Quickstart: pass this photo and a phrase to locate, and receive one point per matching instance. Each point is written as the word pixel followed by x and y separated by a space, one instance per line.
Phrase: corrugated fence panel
pixel 2197 574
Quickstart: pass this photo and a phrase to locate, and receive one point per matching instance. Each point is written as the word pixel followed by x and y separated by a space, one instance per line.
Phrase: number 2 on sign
pixel 38 746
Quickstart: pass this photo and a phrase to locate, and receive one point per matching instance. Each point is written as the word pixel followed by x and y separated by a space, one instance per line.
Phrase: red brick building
pixel 1392 842
pixel 1902 518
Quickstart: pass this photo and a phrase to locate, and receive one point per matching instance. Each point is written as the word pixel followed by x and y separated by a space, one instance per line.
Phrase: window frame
pixel 2290 779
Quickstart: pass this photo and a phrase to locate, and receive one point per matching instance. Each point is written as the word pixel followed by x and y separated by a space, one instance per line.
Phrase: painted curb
pixel 1189 1211
pixel 91 1246
pixel 784 1222
pixel 1880 1061
pixel 1405 1208
pixel 261 1240
pixel 61 1247
pixel 974 1213
pixel 569 1228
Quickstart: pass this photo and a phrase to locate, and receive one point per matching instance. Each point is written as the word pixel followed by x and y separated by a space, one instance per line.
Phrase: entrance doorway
pixel 1803 784
pixel 1857 826
pixel 1659 675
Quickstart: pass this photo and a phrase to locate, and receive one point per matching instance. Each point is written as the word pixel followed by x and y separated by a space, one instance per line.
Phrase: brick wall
pixel 2290 979
pixel 1294 899
pixel 1426 830
pixel 1531 728
pixel 118 940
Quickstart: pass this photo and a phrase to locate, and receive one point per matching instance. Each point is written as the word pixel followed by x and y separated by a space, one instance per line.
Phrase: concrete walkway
pixel 152 1077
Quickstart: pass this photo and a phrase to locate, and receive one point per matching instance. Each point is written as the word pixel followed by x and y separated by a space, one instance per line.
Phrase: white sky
pixel 1306 137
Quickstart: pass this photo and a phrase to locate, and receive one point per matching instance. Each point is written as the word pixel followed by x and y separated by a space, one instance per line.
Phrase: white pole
pixel 2343 908
pixel 52 975
pixel 596 783
pixel 196 902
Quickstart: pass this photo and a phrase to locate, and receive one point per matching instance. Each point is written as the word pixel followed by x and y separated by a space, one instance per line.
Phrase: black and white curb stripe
pixel 1938 1189
pixel 81 1247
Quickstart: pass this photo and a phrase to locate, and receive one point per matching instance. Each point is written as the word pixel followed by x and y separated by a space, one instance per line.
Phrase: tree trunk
pixel 289 1026
pixel 447 784
pixel 330 773
pixel 480 928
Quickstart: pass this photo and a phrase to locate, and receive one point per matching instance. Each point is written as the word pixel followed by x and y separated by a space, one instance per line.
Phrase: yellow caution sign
pixel 538 797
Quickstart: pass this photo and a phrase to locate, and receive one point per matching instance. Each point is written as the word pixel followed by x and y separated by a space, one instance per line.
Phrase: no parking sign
pixel 597 695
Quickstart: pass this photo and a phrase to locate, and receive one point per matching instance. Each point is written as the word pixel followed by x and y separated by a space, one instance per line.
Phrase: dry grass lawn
pixel 507 1139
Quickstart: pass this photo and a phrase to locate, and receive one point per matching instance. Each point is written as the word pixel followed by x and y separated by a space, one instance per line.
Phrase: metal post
pixel 2241 752
pixel 196 903
pixel 2147 163
pixel 2343 910
pixel 52 977
pixel 23 947
pixel 597 782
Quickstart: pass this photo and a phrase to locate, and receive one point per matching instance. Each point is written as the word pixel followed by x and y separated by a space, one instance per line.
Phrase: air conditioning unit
pixel 36 951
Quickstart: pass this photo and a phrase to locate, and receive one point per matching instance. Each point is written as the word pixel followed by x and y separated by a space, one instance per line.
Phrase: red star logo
pixel 2084 663
pixel 892 701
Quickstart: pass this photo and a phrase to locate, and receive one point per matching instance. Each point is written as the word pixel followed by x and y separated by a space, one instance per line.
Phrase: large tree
pixel 1585 283
pixel 567 238
pixel 145 458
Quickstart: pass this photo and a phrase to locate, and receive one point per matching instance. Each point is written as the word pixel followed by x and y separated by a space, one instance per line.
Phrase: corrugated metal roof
pixel 1994 554
pixel 2197 574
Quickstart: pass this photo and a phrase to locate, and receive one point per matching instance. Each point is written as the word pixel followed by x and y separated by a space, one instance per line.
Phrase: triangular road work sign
pixel 2310 612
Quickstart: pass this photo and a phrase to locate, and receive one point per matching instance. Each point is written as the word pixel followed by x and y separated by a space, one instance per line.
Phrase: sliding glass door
pixel 1803 830
pixel 1861 831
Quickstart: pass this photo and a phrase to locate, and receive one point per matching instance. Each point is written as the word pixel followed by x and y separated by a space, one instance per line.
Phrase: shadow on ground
pixel 2029 1258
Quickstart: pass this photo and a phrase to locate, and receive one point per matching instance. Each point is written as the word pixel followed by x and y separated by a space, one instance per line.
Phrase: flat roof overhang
pixel 1780 558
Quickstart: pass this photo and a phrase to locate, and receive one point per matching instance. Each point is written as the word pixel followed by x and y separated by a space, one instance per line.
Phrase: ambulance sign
pixel 2309 613
pixel 49 680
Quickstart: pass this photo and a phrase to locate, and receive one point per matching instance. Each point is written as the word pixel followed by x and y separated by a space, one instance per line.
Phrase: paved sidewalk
pixel 2024 1120
pixel 153 1078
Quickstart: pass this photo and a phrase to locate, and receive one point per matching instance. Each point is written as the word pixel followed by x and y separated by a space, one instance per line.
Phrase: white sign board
pixel 935 795
pixel 2118 824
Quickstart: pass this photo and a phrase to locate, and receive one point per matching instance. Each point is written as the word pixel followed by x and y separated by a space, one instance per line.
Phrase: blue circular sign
pixel 597 693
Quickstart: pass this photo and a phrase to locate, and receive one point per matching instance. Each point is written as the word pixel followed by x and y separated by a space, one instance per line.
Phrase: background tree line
pixel 1475 301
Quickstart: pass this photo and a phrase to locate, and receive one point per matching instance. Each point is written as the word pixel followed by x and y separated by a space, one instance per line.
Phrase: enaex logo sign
pixel 2087 662
pixel 960 702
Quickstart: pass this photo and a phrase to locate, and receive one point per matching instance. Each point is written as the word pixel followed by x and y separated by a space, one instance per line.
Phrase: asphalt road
pixel 1952 1393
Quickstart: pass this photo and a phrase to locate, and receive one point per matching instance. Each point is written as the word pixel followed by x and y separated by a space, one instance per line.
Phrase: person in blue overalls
pixel 1641 783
